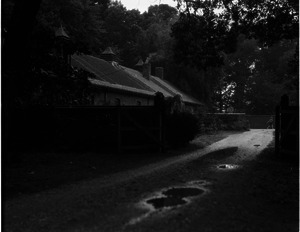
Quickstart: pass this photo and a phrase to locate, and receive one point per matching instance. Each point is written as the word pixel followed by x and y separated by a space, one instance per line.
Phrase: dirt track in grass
pixel 260 194
pixel 38 171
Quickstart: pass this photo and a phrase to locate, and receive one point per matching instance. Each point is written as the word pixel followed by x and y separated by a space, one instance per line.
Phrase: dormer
pixel 63 44
pixel 108 55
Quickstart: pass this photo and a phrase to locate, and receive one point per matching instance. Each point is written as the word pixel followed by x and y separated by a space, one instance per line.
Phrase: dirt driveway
pixel 236 191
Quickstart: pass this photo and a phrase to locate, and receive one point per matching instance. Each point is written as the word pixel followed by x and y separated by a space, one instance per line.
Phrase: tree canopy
pixel 206 29
pixel 254 78
pixel 241 54
pixel 254 45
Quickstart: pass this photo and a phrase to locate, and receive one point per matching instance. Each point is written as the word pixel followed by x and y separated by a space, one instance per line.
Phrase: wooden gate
pixel 287 128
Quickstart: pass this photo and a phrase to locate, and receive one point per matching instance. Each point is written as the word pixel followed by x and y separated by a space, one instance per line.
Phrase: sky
pixel 142 5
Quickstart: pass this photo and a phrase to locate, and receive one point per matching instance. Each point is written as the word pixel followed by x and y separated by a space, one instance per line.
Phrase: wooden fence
pixel 113 129
pixel 287 128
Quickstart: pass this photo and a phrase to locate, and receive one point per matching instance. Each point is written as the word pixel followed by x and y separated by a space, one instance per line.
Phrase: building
pixel 63 45
pixel 115 84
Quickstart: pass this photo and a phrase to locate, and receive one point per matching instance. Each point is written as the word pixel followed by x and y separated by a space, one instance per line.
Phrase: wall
pixel 194 109
pixel 226 121
pixel 258 121
pixel 110 98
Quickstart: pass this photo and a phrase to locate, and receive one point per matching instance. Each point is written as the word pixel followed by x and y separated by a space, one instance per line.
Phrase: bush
pixel 233 122
pixel 214 122
pixel 181 127
pixel 208 122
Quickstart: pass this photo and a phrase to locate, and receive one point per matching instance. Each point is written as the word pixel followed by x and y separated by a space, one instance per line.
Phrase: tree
pixel 78 17
pixel 239 68
pixel 272 77
pixel 235 36
pixel 207 29
pixel 15 49
pixel 254 78
pixel 161 13
pixel 154 34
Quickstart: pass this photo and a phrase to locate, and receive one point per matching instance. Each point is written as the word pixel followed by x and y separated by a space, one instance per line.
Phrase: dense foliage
pixel 215 122
pixel 206 29
pixel 252 46
pixel 238 56
pixel 255 77
pixel 181 128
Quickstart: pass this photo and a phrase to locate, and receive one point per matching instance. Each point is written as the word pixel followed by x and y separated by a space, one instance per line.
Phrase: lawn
pixel 37 171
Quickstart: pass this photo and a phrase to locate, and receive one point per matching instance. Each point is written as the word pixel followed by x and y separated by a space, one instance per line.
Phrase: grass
pixel 37 171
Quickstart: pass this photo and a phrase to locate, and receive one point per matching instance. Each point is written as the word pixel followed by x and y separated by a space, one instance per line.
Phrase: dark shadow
pixel 221 154
pixel 268 154
pixel 183 192
pixel 34 171
pixel 38 171
pixel 162 202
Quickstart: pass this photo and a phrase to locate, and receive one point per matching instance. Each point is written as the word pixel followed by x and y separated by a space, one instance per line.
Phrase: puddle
pixel 162 202
pixel 256 145
pixel 170 198
pixel 199 182
pixel 183 192
pixel 174 196
pixel 227 166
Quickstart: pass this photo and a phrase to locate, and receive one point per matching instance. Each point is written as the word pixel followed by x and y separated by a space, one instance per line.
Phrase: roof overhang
pixel 120 88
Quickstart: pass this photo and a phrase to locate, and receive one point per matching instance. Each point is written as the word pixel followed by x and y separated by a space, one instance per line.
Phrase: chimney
pixel 147 70
pixel 159 72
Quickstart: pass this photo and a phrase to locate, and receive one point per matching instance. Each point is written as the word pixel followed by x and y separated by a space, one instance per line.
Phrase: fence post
pixel 161 113
pixel 160 105
pixel 277 130
pixel 119 133
pixel 160 130
pixel 284 122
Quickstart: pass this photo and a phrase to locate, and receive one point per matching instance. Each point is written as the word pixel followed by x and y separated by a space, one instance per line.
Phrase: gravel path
pixel 115 202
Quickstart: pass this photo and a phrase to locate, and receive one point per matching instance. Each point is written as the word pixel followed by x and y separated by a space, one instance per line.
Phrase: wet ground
pixel 230 185
pixel 36 171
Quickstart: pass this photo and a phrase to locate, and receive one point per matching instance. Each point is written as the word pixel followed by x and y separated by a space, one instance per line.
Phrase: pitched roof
pixel 122 78
pixel 162 86
pixel 139 63
pixel 105 71
pixel 170 87
pixel 108 51
pixel 60 32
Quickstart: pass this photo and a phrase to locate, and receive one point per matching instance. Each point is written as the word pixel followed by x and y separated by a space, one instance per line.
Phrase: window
pixel 117 101
pixel 139 103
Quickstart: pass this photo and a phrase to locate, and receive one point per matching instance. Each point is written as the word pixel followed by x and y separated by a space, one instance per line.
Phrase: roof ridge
pixel 123 87
pixel 145 81
pixel 178 90
pixel 163 86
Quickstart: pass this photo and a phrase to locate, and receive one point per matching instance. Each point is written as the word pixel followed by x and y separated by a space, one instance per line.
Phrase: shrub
pixel 181 127
pixel 214 122
pixel 233 122
pixel 208 122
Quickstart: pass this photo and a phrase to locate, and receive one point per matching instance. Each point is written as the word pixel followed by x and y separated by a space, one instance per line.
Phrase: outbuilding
pixel 115 84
